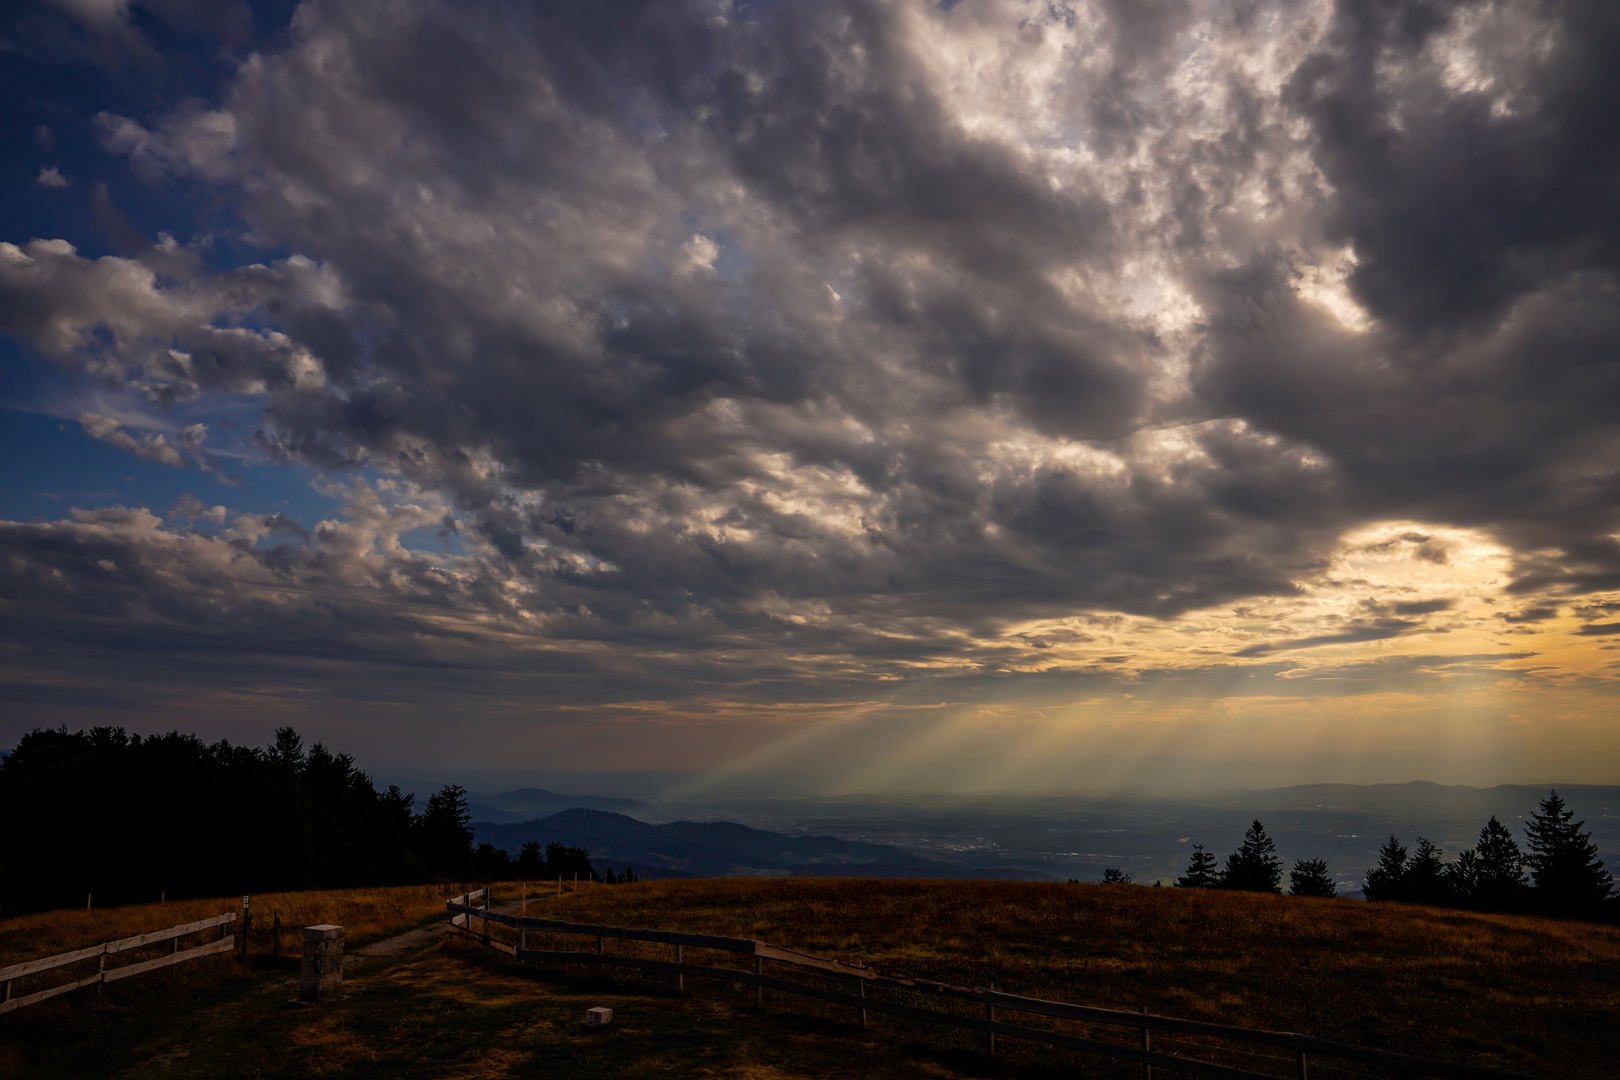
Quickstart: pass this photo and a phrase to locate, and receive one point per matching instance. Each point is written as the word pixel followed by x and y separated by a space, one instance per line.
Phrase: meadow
pixel 1519 992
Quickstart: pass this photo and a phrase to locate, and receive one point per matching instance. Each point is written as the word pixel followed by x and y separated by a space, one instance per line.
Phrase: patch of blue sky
pixel 53 465
pixel 51 95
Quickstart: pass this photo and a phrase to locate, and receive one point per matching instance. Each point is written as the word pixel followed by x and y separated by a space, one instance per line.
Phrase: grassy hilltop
pixel 1519 992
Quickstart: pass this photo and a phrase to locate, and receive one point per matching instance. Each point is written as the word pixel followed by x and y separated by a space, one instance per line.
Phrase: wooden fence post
pixel 247 921
pixel 275 932
pixel 990 1015
pixel 680 976
pixel 759 989
pixel 1147 1044
pixel 101 970
pixel 862 984
pixel 1301 1054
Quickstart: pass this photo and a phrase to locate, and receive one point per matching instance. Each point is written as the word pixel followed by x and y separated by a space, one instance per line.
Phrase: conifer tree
pixel 1426 880
pixel 1387 880
pixel 1202 871
pixel 1490 875
pixel 1254 867
pixel 1310 878
pixel 531 863
pixel 445 832
pixel 1569 877
pixel 1115 876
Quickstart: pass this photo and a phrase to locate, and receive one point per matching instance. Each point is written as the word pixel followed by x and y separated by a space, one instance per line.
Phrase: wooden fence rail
pixel 99 953
pixel 465 913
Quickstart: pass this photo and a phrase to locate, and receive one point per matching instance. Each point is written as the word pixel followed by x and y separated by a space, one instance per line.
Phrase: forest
pixel 106 817
pixel 1558 871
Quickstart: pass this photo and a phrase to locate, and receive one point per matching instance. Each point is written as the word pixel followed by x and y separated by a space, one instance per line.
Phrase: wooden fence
pixel 465 913
pixel 99 954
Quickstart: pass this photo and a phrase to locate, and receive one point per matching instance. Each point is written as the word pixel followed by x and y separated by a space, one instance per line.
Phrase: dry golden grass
pixel 366 913
pixel 1513 991
pixel 1524 993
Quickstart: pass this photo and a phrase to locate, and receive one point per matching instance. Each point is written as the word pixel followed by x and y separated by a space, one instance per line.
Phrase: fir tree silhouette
pixel 1202 871
pixel 1491 874
pixel 1387 880
pixel 1310 878
pixel 1569 877
pixel 1426 880
pixel 1254 867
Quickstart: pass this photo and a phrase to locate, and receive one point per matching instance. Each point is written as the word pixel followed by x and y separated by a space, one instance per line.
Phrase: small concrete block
pixel 321 976
pixel 598 1017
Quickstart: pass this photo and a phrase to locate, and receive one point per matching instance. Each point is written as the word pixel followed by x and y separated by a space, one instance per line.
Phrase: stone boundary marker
pixel 598 1017
pixel 320 979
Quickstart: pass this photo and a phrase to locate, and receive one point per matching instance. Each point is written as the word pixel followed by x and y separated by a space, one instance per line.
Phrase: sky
pixel 864 396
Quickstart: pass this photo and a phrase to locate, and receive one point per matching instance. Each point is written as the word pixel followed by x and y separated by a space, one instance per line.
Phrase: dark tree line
pixel 128 818
pixel 1255 867
pixel 491 863
pixel 1559 875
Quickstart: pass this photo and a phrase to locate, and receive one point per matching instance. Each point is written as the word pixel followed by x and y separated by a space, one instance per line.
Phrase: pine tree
pixel 531 863
pixel 1310 878
pixel 1202 872
pixel 1254 867
pixel 1426 880
pixel 445 831
pixel 1387 880
pixel 1491 875
pixel 1115 876
pixel 1569 877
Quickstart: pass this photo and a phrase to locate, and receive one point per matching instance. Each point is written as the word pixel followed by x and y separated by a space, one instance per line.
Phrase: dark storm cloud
pixel 787 334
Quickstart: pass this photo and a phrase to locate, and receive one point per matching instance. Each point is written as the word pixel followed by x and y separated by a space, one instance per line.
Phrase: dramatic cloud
pixel 805 353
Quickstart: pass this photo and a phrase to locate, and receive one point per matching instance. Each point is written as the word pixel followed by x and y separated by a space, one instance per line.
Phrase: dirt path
pixel 415 939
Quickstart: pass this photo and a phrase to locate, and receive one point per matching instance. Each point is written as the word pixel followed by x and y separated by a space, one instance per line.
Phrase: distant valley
pixel 721 849
pixel 1031 837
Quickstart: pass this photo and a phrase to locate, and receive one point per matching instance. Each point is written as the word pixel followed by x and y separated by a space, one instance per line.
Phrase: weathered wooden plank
pixel 45 995
pixel 474 936
pixel 556 926
pixel 1064 1011
pixel 17 971
pixel 123 944
pixel 224 944
pixel 45 963
pixel 794 956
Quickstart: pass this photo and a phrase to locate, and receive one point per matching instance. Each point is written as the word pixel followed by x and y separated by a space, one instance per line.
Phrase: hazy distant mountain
pixel 528 804
pixel 721 849
pixel 1439 801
